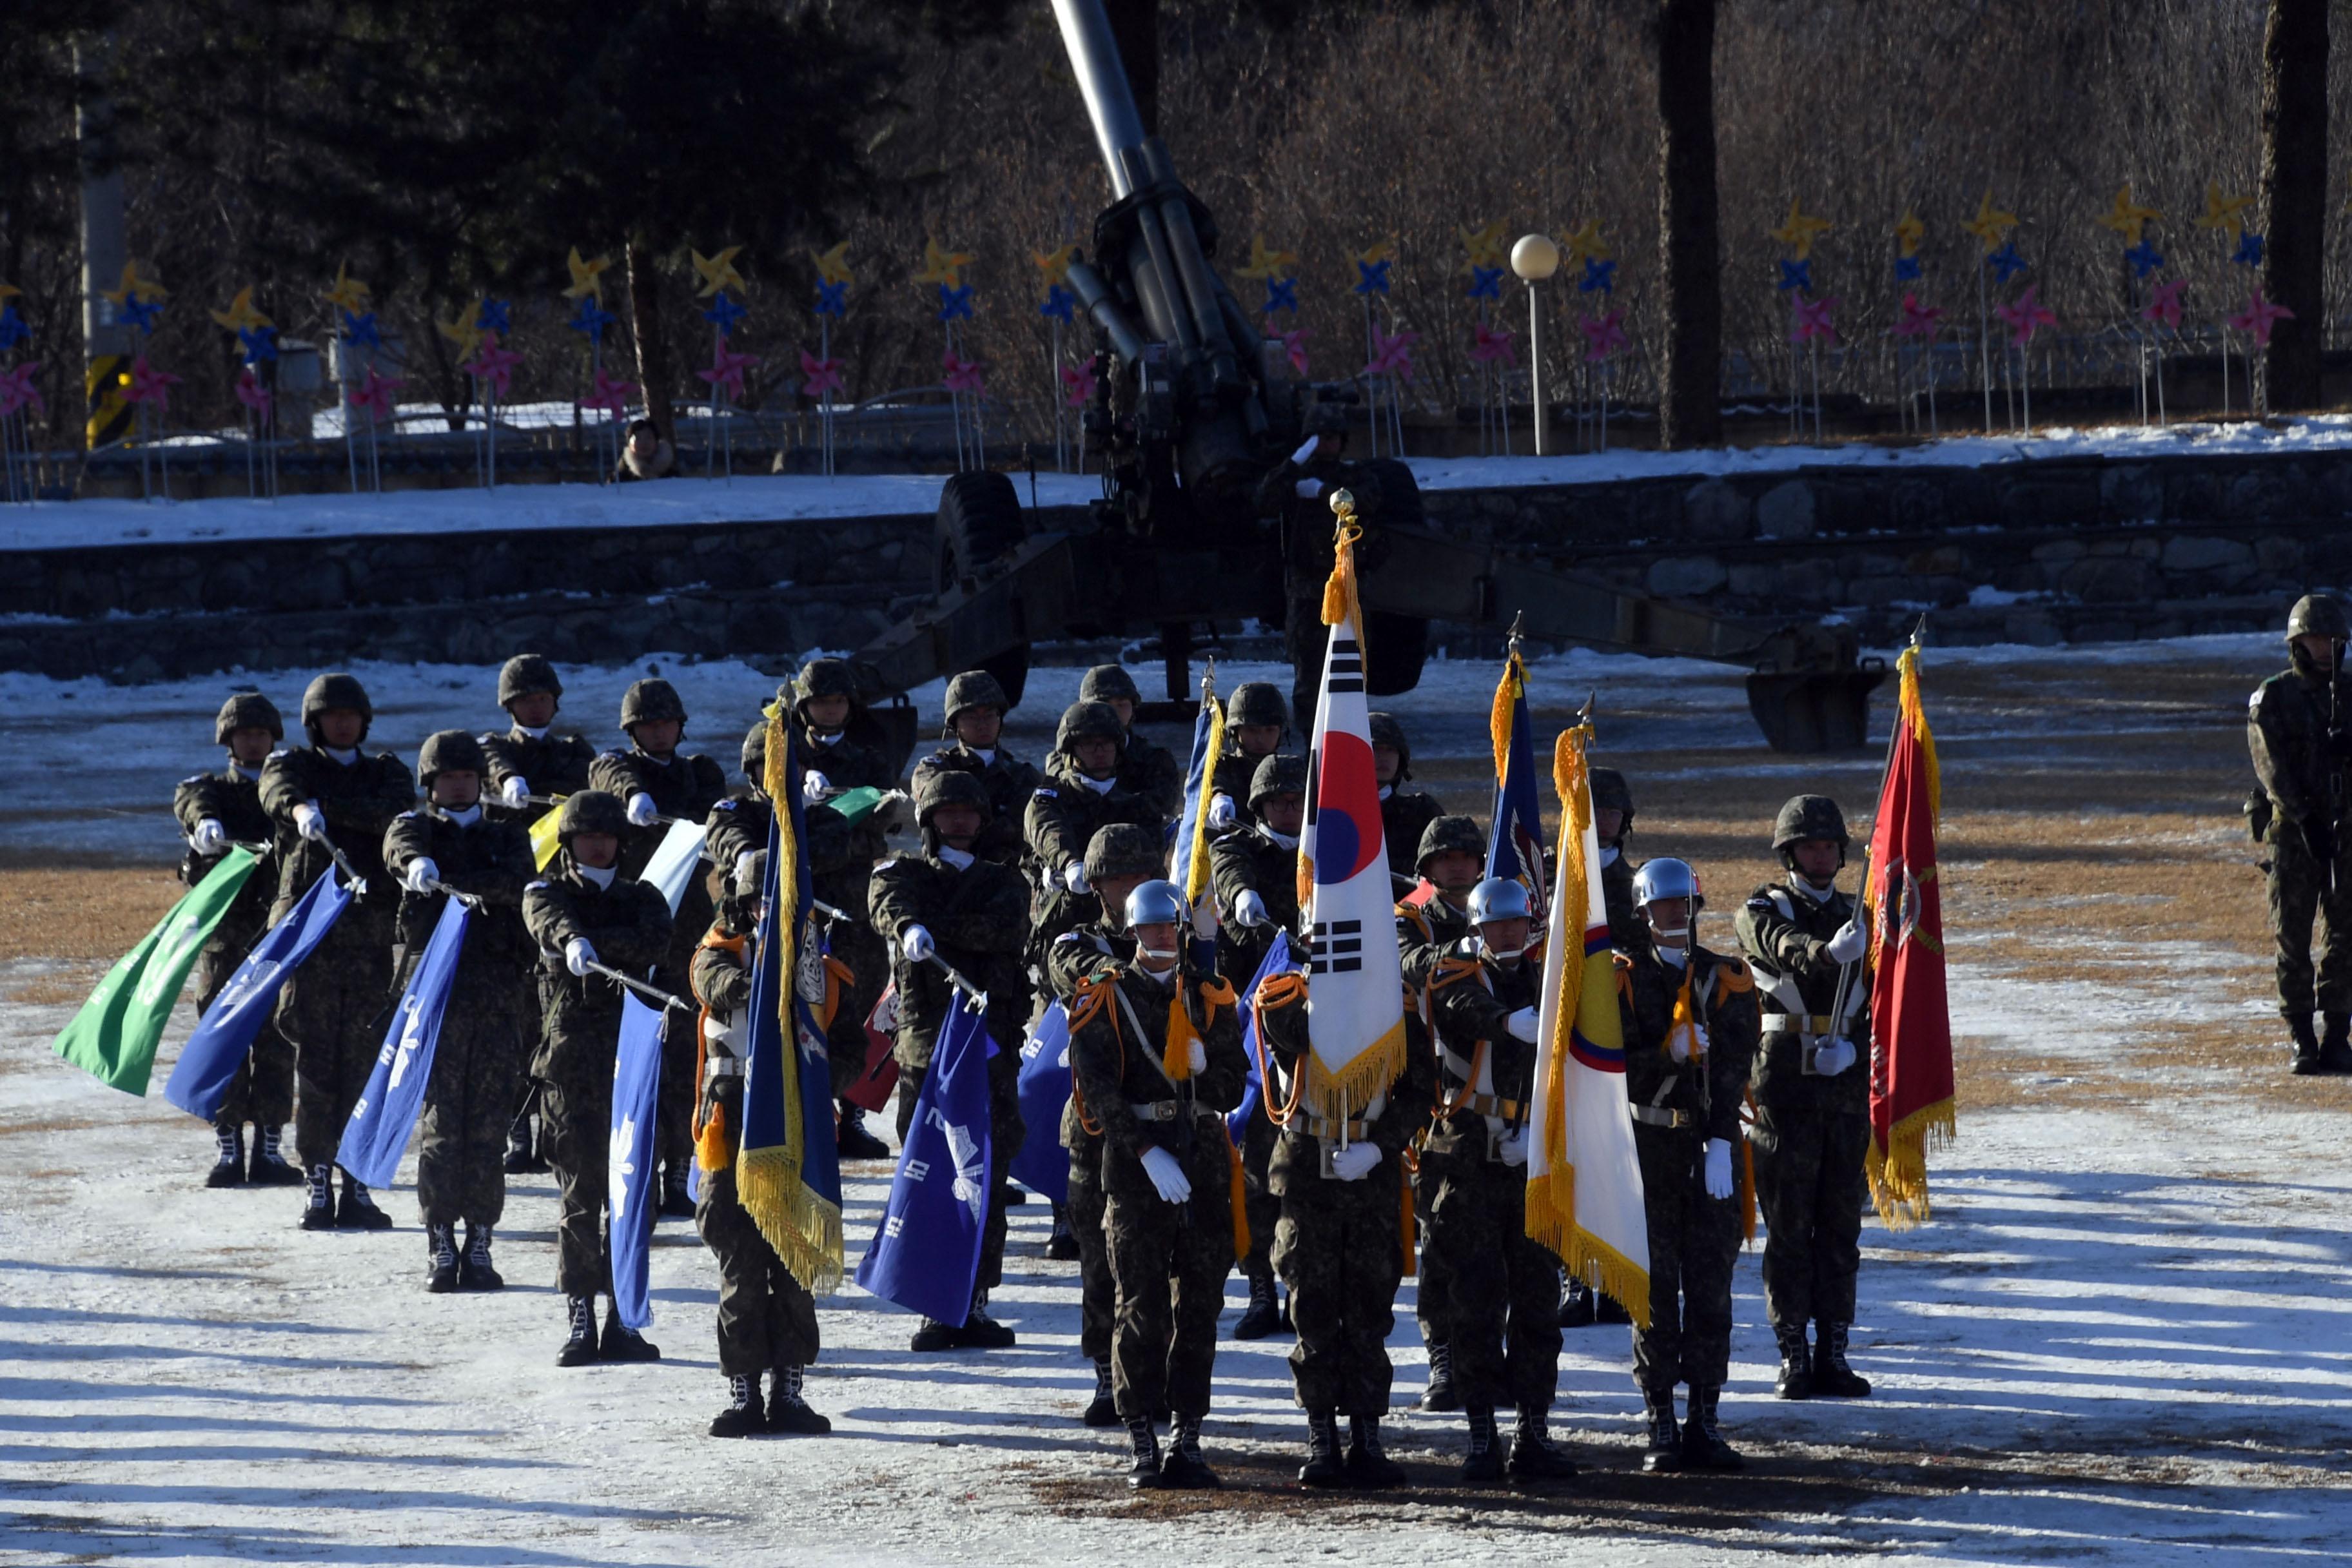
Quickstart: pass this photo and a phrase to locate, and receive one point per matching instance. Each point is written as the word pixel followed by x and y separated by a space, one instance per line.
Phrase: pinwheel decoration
pixel 610 394
pixel 148 386
pixel 1391 355
pixel 587 276
pixel 1795 275
pixel 1485 283
pixel 2145 259
pixel 717 272
pixel 360 331
pixel 1604 335
pixel 2024 316
pixel 2223 212
pixel 962 376
pixel 1495 346
pixel 1078 383
pixel 833 266
pixel 725 375
pixel 1801 229
pixel 376 396
pixel 1585 243
pixel 832 299
pixel 1294 344
pixel 17 393
pixel 2250 250
pixel 955 302
pixel 258 345
pixel 141 313
pixel 1373 271
pixel 459 330
pixel 2005 262
pixel 2127 217
pixel 832 280
pixel 492 369
pixel 1273 268
pixel 724 313
pixel 1059 305
pixel 1917 320
pixel 2259 317
pixel 14 328
pixel 240 317
pixel 1281 294
pixel 349 295
pixel 591 319
pixel 1990 225
pixel 252 394
pixel 819 377
pixel 1811 320
pixel 2163 304
pixel 943 266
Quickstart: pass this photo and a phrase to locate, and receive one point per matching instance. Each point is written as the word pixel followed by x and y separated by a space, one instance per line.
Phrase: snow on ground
pixel 779 498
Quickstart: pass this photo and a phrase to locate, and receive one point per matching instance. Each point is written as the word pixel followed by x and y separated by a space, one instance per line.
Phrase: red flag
pixel 1911 1025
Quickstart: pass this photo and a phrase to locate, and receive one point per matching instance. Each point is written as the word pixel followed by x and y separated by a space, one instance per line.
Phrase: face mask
pixel 1821 894
pixel 824 736
pixel 538 733
pixel 1499 956
pixel 1157 962
pixel 466 818
pixel 602 877
pixel 1677 956
pixel 346 755
pixel 1609 855
pixel 1101 786
pixel 246 773
pixel 960 860
pixel 1286 840
pixel 986 755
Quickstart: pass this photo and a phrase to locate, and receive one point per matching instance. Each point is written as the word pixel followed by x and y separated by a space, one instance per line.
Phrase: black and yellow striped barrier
pixel 109 414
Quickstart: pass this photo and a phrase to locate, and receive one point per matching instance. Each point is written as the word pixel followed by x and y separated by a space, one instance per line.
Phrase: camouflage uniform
pixel 1008 781
pixel 1405 814
pixel 1144 769
pixel 2304 788
pixel 1063 816
pixel 1255 703
pixel 1426 932
pixel 1628 932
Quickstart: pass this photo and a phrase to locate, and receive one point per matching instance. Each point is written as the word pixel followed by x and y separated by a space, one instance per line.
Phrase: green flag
pixel 114 1036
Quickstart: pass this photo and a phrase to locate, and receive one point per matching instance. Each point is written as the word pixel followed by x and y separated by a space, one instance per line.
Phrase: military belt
pixel 723 1066
pixel 1354 1131
pixel 1660 1116
pixel 1799 1023
pixel 1171 1110
pixel 1485 1105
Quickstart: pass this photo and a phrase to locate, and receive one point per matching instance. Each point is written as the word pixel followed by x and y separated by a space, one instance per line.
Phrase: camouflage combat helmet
pixel 449 751
pixel 2318 615
pixel 591 811
pixel 1610 791
pixel 1808 816
pixel 1088 721
pixel 1445 833
pixel 1326 419
pixel 1257 703
pixel 524 674
pixel 1126 849
pixel 755 755
pixel 1387 731
pixel 336 690
pixel 1279 774
pixel 247 711
pixel 650 702
pixel 1108 683
pixel 972 689
pixel 935 788
pixel 824 678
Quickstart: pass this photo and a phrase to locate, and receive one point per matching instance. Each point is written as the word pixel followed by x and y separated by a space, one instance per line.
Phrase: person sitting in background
pixel 644 455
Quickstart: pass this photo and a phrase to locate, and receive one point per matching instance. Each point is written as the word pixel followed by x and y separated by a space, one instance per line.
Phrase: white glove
pixel 1306 449
pixel 1514 1149
pixel 1198 1055
pixel 1833 1059
pixel 916 944
pixel 1073 876
pixel 1679 1046
pixel 311 821
pixel 1355 1162
pixel 743 871
pixel 641 810
pixel 1522 1025
pixel 578 954
pixel 1221 811
pixel 420 871
pixel 1847 945
pixel 517 789
pixel 1249 909
pixel 814 785
pixel 1167 1174
pixel 1718 1168
pixel 210 839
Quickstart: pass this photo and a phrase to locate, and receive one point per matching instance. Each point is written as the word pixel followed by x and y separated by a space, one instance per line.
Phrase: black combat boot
pixel 1796 1379
pixel 1144 1443
pixel 622 1342
pixel 676 1203
pixel 1183 1468
pixel 852 1140
pixel 1103 1411
pixel 1703 1445
pixel 1483 1461
pixel 1575 1303
pixel 2308 1058
pixel 742 1418
pixel 1441 1394
pixel 1608 1309
pixel 1533 1457
pixel 441 1249
pixel 2335 1044
pixel 981 1332
pixel 358 1210
pixel 788 1410
pixel 521 1158
pixel 1263 1314
pixel 474 1271
pixel 1369 1464
pixel 580 1342
pixel 268 1167
pixel 1662 1456
pixel 1832 1378
pixel 1062 1243
pixel 933 1335
pixel 1324 1466
pixel 318 1207
pixel 229 1169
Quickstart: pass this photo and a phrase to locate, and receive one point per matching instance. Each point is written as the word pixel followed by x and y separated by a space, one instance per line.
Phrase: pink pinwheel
pixel 148 384
pixel 2258 316
pixel 2025 317
pixel 17 391
pixel 1811 320
pixel 373 396
pixel 1604 335
pixel 1078 383
pixel 252 394
pixel 1391 355
pixel 2163 304
pixel 494 367
pixel 610 394
pixel 963 375
pixel 727 368
pixel 1495 346
pixel 1294 344
pixel 1918 320
pixel 820 375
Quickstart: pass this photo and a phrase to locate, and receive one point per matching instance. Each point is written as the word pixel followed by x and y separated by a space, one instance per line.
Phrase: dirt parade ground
pixel 2125 1336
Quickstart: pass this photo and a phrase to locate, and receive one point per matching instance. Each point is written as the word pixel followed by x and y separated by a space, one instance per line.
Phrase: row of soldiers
pixel 1048 885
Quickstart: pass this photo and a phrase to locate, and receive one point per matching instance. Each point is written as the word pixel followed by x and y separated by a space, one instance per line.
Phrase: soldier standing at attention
pixel 1405 814
pixel 1800 936
pixel 976 706
pixel 216 810
pixel 1258 722
pixel 1152 772
pixel 1686 1086
pixel 327 796
pixel 2296 728
pixel 447 845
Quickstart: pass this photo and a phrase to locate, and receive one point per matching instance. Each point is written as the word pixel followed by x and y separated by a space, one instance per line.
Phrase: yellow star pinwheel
pixel 944 267
pixel 145 288
pixel 1265 264
pixel 1054 263
pixel 1382 250
pixel 240 316
pixel 833 266
pixel 2221 212
pixel 1990 225
pixel 1585 245
pixel 1801 230
pixel 462 332
pixel 718 271
pixel 1908 232
pixel 2127 218
pixel 587 276
pixel 349 293
pixel 1485 245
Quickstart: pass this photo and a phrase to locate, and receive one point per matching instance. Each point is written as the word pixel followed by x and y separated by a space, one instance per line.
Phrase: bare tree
pixel 2295 189
pixel 1690 413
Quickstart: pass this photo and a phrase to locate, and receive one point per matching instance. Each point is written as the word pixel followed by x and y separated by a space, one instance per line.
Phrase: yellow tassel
pixel 803 1228
pixel 1341 1096
pixel 1176 1058
pixel 1196 869
pixel 1498 722
pixel 1898 1173
pixel 711 1148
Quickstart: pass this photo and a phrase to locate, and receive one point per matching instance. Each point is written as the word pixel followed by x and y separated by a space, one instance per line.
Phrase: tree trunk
pixel 653 347
pixel 2294 192
pixel 1135 27
pixel 1690 411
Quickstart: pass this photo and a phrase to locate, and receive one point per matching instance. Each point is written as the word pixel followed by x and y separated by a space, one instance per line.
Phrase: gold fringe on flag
pixel 1551 1198
pixel 1498 722
pixel 1196 869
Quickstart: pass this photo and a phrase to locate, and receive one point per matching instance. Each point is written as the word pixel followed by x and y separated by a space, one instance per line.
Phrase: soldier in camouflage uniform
pixel 767 1318
pixel 1405 814
pixel 454 843
pixel 658 784
pixel 1150 771
pixel 1580 1306
pixel 326 796
pixel 1812 1096
pixel 976 706
pixel 2296 728
pixel 585 910
pixel 1258 722
pixel 1297 492
pixel 1501 1287
pixel 972 914
pixel 1685 1087
pixel 1166 1176
pixel 1339 1245
pixel 1081 795
pixel 1121 859
pixel 216 810
pixel 1253 871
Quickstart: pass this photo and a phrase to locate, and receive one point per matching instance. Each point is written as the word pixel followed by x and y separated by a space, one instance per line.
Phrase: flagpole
pixel 1846 972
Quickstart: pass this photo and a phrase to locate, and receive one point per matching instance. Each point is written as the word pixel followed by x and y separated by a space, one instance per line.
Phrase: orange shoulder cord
pixel 1092 1000
pixel 1285 990
pixel 710 1130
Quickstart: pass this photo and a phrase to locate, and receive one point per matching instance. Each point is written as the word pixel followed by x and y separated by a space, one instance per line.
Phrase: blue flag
pixel 1043 1165
pixel 225 1035
pixel 1278 962
pixel 926 1255
pixel 632 1192
pixel 1515 849
pixel 388 1107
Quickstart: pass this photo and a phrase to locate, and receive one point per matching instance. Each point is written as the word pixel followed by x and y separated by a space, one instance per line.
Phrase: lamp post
pixel 1535 258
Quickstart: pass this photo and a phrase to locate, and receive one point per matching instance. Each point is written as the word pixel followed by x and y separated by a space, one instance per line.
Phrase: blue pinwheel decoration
pixel 2005 262
pixel 1600 276
pixel 1372 277
pixel 2143 257
pixel 1485 283
pixel 13 330
pixel 1281 294
pixel 2250 250
pixel 591 319
pixel 1059 303
pixel 1796 275
pixel 1907 269
pixel 725 313
pixel 260 343
pixel 955 302
pixel 833 299
pixel 142 313
pixel 359 330
pixel 492 318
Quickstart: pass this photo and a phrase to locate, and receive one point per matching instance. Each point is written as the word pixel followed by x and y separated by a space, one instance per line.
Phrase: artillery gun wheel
pixel 980 523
